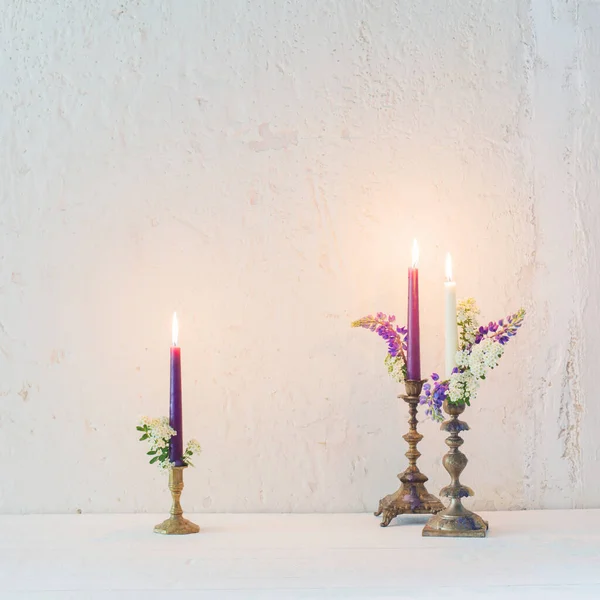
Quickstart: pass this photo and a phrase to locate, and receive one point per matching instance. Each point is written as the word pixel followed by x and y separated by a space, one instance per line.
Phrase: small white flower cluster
pixel 485 356
pixel 159 432
pixel 473 365
pixel 193 447
pixel 164 465
pixel 396 367
pixel 466 318
pixel 473 360
pixel 462 387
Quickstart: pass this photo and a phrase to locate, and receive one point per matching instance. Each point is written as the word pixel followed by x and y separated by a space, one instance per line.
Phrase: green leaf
pixel 154 460
pixel 139 428
pixel 144 437
pixel 151 453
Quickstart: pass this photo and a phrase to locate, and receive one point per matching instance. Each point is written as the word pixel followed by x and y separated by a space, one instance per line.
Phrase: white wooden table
pixel 536 554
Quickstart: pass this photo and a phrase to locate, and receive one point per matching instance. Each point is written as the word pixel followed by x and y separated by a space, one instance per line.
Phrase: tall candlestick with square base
pixel 456 520
pixel 176 524
pixel 412 497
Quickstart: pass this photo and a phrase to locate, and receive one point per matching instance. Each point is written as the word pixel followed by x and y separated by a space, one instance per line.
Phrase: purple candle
pixel 175 412
pixel 413 354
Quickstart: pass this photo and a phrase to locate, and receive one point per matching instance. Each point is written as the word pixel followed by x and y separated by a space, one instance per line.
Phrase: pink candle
pixel 413 354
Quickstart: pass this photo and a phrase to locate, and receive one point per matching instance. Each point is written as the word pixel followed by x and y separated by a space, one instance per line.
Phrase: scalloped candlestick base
pixel 176 525
pixel 412 497
pixel 456 520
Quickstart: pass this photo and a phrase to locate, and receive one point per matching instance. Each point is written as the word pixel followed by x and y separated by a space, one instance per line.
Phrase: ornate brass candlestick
pixel 412 497
pixel 456 520
pixel 176 524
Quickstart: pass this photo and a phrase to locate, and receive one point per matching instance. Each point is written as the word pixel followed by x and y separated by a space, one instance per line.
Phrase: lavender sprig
pixel 502 330
pixel 395 337
pixel 384 326
pixel 434 398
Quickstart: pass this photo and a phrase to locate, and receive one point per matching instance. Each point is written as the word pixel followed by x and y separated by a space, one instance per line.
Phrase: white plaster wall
pixel 262 166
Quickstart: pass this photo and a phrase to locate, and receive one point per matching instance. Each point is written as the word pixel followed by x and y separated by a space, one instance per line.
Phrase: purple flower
pixel 383 325
pixel 433 400
pixel 501 331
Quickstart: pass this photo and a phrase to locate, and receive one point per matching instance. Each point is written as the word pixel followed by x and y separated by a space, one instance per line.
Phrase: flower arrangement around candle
pixel 396 339
pixel 480 349
pixel 158 433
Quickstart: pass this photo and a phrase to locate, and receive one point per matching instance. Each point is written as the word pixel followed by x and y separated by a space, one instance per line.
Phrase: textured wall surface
pixel 262 167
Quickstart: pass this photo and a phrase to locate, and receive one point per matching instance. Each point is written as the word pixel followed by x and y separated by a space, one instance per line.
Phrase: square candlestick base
pixel 176 524
pixel 456 520
pixel 463 523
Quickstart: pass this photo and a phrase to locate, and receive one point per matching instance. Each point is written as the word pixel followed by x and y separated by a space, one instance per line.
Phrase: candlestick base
pixel 456 520
pixel 412 497
pixel 176 524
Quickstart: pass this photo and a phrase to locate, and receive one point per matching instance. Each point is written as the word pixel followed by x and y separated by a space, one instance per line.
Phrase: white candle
pixel 451 327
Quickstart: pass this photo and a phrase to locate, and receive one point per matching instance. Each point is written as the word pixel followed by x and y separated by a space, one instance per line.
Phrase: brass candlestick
pixel 456 520
pixel 412 497
pixel 176 524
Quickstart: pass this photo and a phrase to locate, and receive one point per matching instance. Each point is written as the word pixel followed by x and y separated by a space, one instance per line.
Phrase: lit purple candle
pixel 176 413
pixel 413 354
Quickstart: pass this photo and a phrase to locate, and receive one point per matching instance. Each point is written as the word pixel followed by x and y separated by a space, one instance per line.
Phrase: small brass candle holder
pixel 412 497
pixel 176 524
pixel 456 520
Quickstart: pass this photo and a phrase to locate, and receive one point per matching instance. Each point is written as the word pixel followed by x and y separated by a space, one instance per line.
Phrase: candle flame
pixel 415 254
pixel 175 329
pixel 448 267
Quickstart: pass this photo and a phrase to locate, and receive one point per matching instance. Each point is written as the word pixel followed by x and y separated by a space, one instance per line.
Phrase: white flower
pixel 158 433
pixel 476 361
pixel 193 446
pixel 466 318
pixel 463 387
pixel 159 430
pixel 484 356
pixel 395 366
pixel 492 353
pixel 165 465
pixel 462 358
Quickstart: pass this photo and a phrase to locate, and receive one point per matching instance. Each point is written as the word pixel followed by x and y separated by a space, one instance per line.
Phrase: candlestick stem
pixel 412 497
pixel 176 524
pixel 456 520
